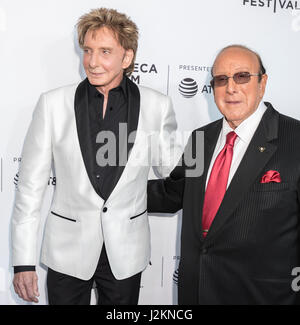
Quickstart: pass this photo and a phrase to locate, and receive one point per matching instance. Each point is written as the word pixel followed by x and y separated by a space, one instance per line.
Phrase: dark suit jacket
pixel 253 243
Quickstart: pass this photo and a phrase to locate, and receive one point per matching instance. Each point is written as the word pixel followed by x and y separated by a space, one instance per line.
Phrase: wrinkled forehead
pixel 235 60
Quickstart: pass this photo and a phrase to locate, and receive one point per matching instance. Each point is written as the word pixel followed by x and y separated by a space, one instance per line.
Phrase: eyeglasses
pixel 239 78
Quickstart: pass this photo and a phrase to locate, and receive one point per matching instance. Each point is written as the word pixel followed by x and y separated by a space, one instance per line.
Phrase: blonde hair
pixel 123 27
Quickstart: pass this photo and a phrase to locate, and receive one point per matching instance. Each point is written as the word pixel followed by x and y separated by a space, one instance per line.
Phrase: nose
pixel 93 61
pixel 231 86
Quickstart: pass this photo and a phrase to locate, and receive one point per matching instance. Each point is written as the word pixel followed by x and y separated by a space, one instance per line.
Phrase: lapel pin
pixel 261 149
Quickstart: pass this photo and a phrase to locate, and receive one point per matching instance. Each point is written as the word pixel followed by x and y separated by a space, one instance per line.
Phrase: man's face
pixel 104 59
pixel 238 101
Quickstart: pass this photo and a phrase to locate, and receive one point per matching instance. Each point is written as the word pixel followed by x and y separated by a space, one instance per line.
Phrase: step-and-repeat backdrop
pixel 178 42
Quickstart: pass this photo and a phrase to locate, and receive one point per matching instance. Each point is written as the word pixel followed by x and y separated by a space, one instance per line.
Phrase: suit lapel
pixel 210 139
pixel 133 109
pixel 250 167
pixel 83 129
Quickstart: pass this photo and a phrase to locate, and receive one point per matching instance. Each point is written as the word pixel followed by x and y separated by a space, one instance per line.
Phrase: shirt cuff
pixel 24 268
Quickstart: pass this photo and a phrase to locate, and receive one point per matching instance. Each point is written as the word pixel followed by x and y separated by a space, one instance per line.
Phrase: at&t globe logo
pixel 188 88
pixel 175 277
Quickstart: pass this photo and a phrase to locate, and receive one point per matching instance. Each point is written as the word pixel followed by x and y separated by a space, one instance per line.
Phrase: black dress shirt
pixel 116 113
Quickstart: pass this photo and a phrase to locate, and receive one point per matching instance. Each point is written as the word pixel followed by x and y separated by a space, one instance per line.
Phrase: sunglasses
pixel 239 78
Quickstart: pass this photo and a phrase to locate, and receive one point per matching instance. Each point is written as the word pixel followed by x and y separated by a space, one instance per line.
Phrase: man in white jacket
pixel 97 228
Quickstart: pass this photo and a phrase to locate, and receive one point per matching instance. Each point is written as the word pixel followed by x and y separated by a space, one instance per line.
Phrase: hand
pixel 26 286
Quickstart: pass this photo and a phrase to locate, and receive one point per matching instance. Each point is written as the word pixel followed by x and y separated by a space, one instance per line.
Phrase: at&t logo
pixel 51 181
pixel 188 88
pixel 175 277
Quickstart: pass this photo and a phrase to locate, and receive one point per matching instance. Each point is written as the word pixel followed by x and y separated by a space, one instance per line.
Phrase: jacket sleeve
pixel 34 174
pixel 169 142
pixel 166 195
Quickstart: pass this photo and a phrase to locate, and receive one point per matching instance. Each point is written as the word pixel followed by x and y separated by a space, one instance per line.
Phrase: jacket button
pixel 105 209
pixel 204 251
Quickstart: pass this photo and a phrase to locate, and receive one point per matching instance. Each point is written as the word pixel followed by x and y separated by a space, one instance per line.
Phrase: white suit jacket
pixel 79 220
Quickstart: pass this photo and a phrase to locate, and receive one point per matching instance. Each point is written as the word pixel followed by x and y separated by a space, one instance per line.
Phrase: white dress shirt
pixel 245 132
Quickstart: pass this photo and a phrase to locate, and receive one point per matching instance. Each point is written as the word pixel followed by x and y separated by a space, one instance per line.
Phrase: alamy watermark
pixel 296 281
pixel 151 148
pixel 296 20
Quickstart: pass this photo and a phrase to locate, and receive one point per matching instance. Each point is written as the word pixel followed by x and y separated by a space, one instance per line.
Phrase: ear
pixel 262 84
pixel 128 57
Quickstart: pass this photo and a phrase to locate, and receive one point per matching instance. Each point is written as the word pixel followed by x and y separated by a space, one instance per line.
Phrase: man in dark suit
pixel 240 224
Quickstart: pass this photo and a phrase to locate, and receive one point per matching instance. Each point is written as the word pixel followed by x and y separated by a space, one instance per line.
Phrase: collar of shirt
pixel 245 132
pixel 247 128
pixel 93 92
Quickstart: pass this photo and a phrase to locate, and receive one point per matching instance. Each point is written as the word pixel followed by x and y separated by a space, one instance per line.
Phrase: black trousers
pixel 67 290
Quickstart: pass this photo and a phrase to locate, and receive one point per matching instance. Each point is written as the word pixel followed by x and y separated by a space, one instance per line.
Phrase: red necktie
pixel 217 183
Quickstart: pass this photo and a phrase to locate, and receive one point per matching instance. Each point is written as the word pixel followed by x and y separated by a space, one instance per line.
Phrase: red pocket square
pixel 271 176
